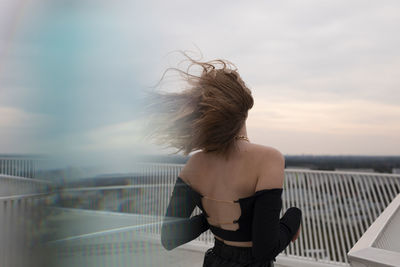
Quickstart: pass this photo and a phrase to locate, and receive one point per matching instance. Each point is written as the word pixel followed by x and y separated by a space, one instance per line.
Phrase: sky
pixel 324 74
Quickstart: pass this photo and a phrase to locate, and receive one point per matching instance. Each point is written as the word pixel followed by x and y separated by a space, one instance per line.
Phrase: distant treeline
pixel 377 163
pixel 383 164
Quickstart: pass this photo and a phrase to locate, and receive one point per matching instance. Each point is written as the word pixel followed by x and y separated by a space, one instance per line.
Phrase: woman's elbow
pixel 165 238
pixel 166 243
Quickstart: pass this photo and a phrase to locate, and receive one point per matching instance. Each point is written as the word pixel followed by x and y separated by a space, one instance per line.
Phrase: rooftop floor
pixel 96 238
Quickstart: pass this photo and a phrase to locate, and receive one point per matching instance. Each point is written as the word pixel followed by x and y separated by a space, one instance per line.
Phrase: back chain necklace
pixel 242 137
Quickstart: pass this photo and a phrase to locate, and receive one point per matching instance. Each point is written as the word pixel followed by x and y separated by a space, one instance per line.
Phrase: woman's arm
pixel 271 234
pixel 177 227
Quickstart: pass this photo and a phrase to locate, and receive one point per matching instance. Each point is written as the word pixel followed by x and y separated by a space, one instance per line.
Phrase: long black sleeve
pixel 270 234
pixel 177 227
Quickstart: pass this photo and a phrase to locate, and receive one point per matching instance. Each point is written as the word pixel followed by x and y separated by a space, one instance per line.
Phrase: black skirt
pixel 223 255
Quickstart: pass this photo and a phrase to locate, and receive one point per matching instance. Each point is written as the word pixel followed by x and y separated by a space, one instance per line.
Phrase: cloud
pixel 317 69
pixel 343 127
pixel 114 147
pixel 17 119
pixel 19 130
pixel 123 137
pixel 344 118
pixel 127 136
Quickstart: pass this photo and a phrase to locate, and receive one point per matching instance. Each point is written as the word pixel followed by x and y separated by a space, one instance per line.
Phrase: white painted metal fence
pixel 19 166
pixel 380 244
pixel 337 207
pixel 21 213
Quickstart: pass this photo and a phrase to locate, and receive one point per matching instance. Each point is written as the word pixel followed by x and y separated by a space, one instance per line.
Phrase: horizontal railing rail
pixel 22 202
pixel 380 244
pixel 337 207
pixel 14 185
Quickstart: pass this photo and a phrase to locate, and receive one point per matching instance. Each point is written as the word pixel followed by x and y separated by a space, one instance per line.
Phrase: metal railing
pixel 15 185
pixel 380 244
pixel 19 166
pixel 22 202
pixel 337 207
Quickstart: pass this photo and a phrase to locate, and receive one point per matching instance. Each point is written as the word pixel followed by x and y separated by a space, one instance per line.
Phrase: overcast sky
pixel 324 74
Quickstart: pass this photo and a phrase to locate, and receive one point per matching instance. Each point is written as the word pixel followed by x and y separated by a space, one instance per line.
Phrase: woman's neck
pixel 243 130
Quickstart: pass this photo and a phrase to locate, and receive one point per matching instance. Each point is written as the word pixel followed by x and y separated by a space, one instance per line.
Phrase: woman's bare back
pixel 222 180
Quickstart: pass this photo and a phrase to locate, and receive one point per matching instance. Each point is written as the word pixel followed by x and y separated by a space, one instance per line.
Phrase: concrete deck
pixel 88 238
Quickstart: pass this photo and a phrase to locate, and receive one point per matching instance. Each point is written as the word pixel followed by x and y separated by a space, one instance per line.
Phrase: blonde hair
pixel 207 115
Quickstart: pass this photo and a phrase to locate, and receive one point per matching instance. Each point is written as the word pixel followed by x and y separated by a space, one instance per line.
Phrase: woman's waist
pixel 241 237
pixel 240 244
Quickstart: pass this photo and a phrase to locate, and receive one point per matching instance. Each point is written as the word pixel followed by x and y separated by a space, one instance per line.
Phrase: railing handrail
pixel 20 178
pixel 110 187
pixel 289 170
pixel 293 171
pixel 122 229
pixel 344 172
pixel 23 196
pixel 364 251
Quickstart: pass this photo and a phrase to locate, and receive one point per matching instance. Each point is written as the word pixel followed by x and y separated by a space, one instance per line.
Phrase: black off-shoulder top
pixel 259 221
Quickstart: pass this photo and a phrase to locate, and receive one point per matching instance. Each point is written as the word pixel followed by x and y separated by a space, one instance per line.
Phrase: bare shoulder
pixel 271 165
pixel 191 166
pixel 268 154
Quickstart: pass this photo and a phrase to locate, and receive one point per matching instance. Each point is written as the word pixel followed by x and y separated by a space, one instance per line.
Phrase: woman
pixel 236 184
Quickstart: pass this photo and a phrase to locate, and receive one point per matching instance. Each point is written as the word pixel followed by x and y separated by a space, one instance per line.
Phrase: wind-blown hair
pixel 208 114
